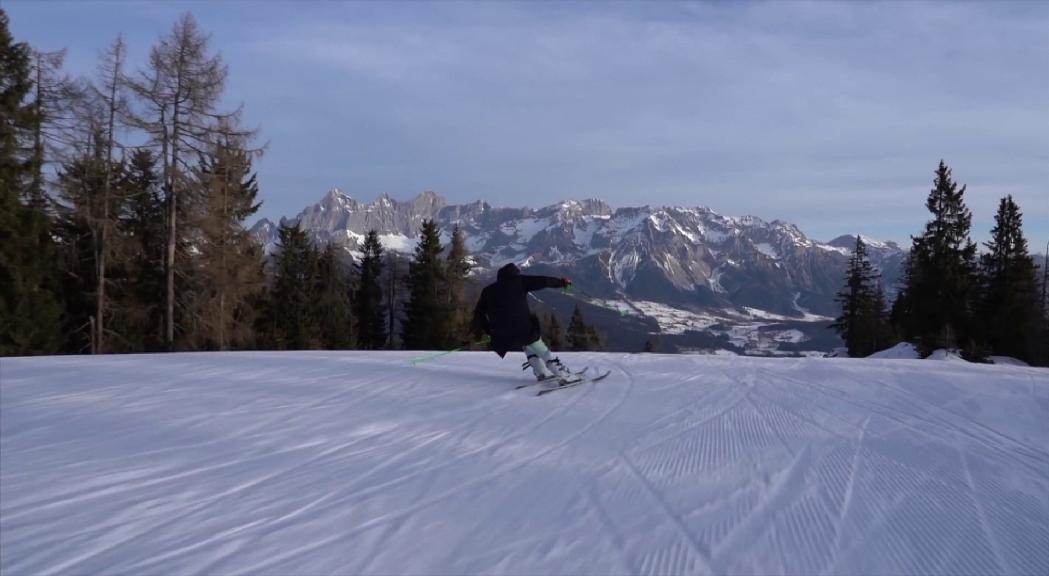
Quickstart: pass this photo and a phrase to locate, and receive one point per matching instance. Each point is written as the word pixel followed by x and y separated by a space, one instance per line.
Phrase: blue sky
pixel 829 115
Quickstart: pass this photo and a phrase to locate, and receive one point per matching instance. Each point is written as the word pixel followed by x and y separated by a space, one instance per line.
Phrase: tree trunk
pixel 224 279
pixel 100 304
pixel 91 320
pixel 173 217
pixel 1045 278
pixel 222 321
pixel 391 298
pixel 38 137
pixel 169 313
pixel 100 292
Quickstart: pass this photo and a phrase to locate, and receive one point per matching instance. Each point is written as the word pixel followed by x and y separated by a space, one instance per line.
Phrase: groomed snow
pixel 356 463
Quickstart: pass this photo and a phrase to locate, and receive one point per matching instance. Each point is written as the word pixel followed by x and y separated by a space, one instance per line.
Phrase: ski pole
pixel 587 297
pixel 428 357
pixel 581 295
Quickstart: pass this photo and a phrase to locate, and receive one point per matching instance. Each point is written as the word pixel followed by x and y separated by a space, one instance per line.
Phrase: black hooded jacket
pixel 502 311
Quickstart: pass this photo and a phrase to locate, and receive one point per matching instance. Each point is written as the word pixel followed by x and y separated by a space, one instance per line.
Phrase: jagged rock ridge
pixel 692 258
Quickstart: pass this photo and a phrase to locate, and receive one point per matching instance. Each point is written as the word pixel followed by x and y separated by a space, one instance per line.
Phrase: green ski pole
pixel 590 299
pixel 428 357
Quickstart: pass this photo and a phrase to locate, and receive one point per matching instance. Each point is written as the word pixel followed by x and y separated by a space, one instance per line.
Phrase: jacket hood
pixel 508 272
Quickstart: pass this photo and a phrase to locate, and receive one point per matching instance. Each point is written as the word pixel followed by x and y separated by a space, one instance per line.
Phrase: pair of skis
pixel 576 379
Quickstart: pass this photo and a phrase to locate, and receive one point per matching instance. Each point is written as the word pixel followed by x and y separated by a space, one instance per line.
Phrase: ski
pixel 574 383
pixel 574 373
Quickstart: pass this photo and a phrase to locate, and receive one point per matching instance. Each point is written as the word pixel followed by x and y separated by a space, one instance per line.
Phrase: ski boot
pixel 560 371
pixel 540 371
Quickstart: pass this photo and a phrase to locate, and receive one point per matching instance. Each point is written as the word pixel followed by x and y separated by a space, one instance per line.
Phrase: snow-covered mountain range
pixel 686 259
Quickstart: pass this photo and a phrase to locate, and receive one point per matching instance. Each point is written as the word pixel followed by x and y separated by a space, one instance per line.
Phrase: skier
pixel 502 312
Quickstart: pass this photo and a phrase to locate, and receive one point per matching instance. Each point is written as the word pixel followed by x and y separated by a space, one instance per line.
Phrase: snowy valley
pixel 347 462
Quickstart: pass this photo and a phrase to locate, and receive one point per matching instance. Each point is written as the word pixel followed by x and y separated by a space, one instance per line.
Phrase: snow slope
pixel 354 463
pixel 901 351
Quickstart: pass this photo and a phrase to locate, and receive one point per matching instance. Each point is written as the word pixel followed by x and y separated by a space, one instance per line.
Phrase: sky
pixel 830 115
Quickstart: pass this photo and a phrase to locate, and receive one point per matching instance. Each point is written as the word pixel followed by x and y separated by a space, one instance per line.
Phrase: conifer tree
pixel 227 262
pixel 426 314
pixel 334 304
pixel 935 309
pixel 86 122
pixel 367 302
pixel 457 270
pixel 862 323
pixel 178 95
pixel 81 226
pixel 1010 314
pixel 884 335
pixel 29 308
pixel 581 336
pixel 137 299
pixel 597 341
pixel 291 321
pixel 553 334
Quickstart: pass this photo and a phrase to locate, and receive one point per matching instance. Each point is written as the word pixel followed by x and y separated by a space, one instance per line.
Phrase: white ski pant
pixel 538 348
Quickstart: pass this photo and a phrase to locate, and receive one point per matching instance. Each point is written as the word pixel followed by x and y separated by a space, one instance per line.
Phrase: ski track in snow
pixel 326 462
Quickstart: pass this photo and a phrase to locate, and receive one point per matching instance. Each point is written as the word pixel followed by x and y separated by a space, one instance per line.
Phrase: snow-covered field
pixel 752 330
pixel 356 463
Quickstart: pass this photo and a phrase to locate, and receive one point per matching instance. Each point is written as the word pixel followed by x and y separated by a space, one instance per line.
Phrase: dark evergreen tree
pixel 456 271
pixel 426 314
pixel 138 295
pixel 879 318
pixel 367 302
pixel 291 321
pixel 29 307
pixel 935 310
pixel 227 262
pixel 80 228
pixel 862 323
pixel 392 284
pixel 335 306
pixel 553 334
pixel 581 336
pixel 1010 313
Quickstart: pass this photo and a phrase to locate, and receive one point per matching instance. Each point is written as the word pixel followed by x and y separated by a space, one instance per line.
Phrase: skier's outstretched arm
pixel 533 283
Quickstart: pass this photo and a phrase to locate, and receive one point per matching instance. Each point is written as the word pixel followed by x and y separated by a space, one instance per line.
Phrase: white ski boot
pixel 560 371
pixel 539 370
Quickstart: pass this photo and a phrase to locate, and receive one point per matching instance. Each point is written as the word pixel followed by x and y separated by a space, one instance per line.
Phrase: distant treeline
pixel 953 298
